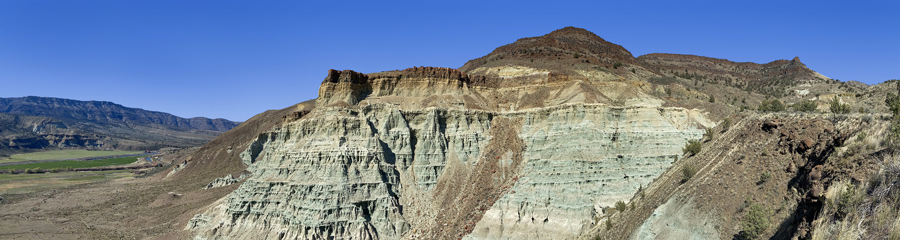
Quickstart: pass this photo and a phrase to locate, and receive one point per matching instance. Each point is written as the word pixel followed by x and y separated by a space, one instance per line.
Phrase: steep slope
pixel 779 163
pixel 538 139
pixel 403 154
pixel 100 124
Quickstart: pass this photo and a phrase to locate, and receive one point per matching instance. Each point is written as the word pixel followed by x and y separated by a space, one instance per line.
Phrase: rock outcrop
pixel 434 153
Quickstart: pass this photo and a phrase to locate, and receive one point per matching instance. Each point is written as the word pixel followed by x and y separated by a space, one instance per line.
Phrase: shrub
pixel 764 177
pixel 687 172
pixel 712 98
pixel 838 107
pixel 773 105
pixel 692 147
pixel 726 124
pixel 621 206
pixel 805 106
pixel 847 202
pixel 861 136
pixel 893 101
pixel 617 65
pixel 709 134
pixel 755 222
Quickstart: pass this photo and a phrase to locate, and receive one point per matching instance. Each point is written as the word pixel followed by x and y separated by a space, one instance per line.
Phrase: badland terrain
pixel 561 136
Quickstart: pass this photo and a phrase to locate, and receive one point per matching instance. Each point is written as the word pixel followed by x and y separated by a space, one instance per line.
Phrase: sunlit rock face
pixel 436 153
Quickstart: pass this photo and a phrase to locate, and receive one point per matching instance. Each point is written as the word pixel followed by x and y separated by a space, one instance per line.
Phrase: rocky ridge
pixel 31 123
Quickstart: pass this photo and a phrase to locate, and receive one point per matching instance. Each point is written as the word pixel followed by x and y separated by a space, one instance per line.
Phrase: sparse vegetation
pixel 837 107
pixel 893 102
pixel 773 105
pixel 662 80
pixel 847 202
pixel 805 106
pixel 621 206
pixel 708 135
pixel 726 124
pixel 692 147
pixel 764 177
pixel 687 172
pixel 755 222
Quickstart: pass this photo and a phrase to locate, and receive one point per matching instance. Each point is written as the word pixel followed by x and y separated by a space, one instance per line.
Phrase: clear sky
pixel 234 59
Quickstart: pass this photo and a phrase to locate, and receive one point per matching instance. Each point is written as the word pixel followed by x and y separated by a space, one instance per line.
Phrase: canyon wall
pixel 426 153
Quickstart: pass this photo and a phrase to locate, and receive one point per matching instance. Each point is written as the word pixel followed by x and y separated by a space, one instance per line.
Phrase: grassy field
pixel 62 154
pixel 68 176
pixel 74 164
pixel 26 183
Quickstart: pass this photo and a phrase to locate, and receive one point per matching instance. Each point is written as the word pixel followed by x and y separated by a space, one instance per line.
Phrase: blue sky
pixel 234 59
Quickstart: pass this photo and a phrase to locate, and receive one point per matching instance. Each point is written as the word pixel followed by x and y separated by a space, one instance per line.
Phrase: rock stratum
pixel 436 153
pixel 540 139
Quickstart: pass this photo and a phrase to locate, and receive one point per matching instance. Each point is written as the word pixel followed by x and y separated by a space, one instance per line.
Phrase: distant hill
pixel 42 122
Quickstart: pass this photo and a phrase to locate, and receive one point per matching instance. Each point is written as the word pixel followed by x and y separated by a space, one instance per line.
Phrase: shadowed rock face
pixel 402 154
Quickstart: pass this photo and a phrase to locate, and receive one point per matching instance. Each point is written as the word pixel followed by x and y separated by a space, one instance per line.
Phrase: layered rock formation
pixel 436 153
pixel 537 140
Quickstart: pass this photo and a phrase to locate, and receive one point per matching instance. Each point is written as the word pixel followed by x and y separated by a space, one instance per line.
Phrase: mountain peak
pixel 571 31
pixel 568 46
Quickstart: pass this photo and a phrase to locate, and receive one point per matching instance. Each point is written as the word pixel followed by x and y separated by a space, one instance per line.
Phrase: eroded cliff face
pixel 434 153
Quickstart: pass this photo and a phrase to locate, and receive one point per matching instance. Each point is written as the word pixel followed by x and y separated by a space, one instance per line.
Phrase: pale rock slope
pixel 435 153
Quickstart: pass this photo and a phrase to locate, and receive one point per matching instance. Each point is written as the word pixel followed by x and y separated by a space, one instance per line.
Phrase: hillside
pixel 541 139
pixel 30 123
pixel 561 136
